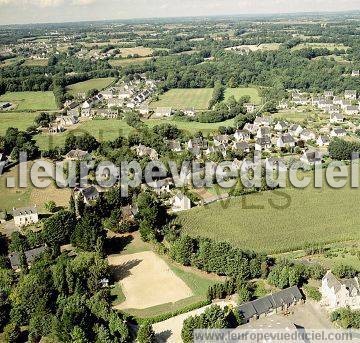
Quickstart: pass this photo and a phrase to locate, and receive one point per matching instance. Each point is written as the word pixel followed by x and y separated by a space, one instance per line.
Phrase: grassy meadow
pixel 85 86
pixel 239 92
pixel 31 101
pixel 20 120
pixel 329 46
pixel 311 216
pixel 197 98
pixel 128 61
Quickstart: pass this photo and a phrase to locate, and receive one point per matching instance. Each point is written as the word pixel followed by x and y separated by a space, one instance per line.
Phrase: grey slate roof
pixel 269 303
pixel 24 211
pixel 30 255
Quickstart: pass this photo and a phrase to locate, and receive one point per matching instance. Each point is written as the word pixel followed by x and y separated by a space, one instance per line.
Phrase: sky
pixel 40 11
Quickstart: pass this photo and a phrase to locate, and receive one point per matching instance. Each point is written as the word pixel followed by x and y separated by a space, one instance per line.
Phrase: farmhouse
pixel 271 304
pixel 30 256
pixel 350 94
pixel 78 155
pixel 25 216
pixel 340 293
pixel 180 202
pixel 161 112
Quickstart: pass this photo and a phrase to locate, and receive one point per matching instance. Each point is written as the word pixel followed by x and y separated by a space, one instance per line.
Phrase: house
pixel 25 216
pixel 30 255
pixel 345 103
pixel 323 140
pixel 87 104
pixel 337 100
pixel 197 143
pixel 295 130
pixel 263 132
pixel 242 135
pixel 336 118
pixel 160 186
pixel 283 105
pixel 250 108
pixel 328 94
pixel 252 128
pixel 144 110
pixel 281 126
pixel 263 143
pixel 241 146
pixel 129 212
pixel 300 101
pixel 311 157
pixel 174 145
pixel 350 94
pixel 190 112
pixel 90 194
pixel 115 103
pixel 340 293
pixel 77 154
pixel 108 94
pixel 355 73
pixel 285 140
pixel 307 135
pixel 5 105
pixel 221 139
pixel 338 132
pixel 142 150
pixel 180 202
pixel 162 112
pixel 262 121
pixel 67 120
pixel 351 110
pixel 274 303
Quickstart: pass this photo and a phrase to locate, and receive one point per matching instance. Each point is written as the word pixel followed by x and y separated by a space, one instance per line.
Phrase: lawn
pixel 239 92
pixel 197 98
pixel 20 120
pixel 128 61
pixel 313 216
pixel 85 86
pixel 105 130
pixel 31 101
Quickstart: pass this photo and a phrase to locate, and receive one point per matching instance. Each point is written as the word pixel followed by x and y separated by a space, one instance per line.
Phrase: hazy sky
pixel 34 11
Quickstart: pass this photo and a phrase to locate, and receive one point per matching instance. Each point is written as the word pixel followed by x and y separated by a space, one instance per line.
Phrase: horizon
pixel 33 12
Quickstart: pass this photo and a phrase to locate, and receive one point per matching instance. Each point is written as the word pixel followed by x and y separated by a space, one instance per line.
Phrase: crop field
pixel 128 61
pixel 139 50
pixel 20 120
pixel 105 130
pixel 311 216
pixel 197 98
pixel 36 62
pixel 239 92
pixel 330 46
pixel 85 86
pixel 31 101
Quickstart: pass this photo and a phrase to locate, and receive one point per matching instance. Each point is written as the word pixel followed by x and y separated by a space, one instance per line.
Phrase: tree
pixel 78 335
pixel 72 204
pixel 80 205
pixel 50 206
pixel 146 334
pixel 12 333
pixel 59 228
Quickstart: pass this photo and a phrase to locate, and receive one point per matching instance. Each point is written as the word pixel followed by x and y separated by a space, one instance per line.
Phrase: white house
pixel 281 126
pixel 336 118
pixel 263 143
pixel 285 140
pixel 250 108
pixel 350 94
pixel 180 202
pixel 307 135
pixel 338 132
pixel 25 216
pixel 323 140
pixel 161 112
pixel 241 135
pixel 295 130
pixel 355 73
pixel 351 110
pixel 311 157
pixel 340 293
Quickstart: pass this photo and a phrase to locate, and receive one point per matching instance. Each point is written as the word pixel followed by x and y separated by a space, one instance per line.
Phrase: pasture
pixel 237 93
pixel 128 61
pixel 106 130
pixel 19 120
pixel 30 62
pixel 197 98
pixel 147 281
pixel 329 46
pixel 31 101
pixel 279 221
pixel 139 51
pixel 85 86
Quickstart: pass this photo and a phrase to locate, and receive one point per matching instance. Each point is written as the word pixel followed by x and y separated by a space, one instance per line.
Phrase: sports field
pixel 31 101
pixel 85 86
pixel 251 222
pixel 197 98
pixel 20 120
pixel 246 91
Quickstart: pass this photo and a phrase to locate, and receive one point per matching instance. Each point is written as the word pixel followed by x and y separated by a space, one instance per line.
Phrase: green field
pixel 31 101
pixel 20 120
pixel 197 98
pixel 36 62
pixel 85 86
pixel 105 130
pixel 330 46
pixel 239 92
pixel 128 61
pixel 313 216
